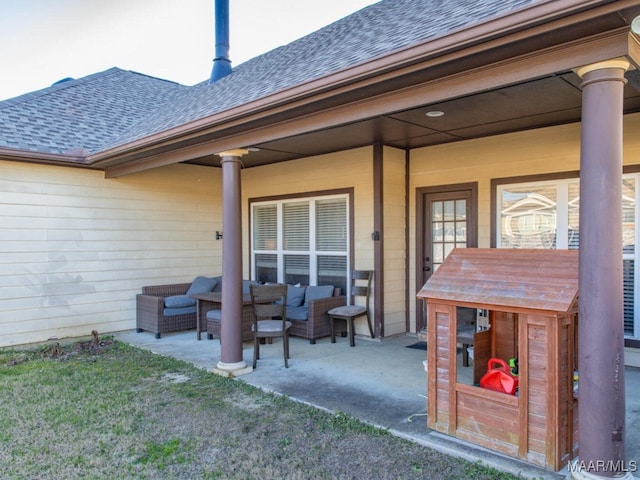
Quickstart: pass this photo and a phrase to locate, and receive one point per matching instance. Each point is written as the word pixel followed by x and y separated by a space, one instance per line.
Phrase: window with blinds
pixel 302 240
pixel 546 215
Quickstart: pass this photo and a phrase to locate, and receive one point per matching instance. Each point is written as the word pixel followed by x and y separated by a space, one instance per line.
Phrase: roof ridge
pixel 74 82
pixel 56 86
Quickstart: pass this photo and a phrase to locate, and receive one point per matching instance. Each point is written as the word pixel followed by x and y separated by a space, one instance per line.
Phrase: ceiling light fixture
pixel 635 25
pixel 434 113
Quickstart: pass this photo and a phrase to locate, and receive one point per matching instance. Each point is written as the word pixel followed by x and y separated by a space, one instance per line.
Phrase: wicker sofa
pixel 167 308
pixel 308 318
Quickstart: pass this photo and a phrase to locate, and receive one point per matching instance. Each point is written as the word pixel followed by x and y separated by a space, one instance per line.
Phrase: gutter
pixel 532 21
pixel 11 154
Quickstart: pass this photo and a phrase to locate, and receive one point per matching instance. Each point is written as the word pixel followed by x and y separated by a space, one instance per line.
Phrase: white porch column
pixel 601 400
pixel 231 362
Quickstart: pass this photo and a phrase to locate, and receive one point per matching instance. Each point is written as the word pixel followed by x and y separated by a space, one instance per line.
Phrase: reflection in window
pixel 529 217
pixel 332 270
pixel 266 268
pixel 547 215
pixel 573 234
pixel 296 269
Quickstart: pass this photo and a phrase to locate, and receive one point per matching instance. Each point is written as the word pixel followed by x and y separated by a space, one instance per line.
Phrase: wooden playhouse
pixel 531 297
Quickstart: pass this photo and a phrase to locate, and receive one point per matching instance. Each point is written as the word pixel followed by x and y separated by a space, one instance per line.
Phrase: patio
pixel 379 382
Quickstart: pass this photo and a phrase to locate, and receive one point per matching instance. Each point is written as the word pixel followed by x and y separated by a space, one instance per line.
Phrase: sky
pixel 43 41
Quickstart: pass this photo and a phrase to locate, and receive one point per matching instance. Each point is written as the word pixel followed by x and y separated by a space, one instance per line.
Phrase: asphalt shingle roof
pixel 82 114
pixel 116 107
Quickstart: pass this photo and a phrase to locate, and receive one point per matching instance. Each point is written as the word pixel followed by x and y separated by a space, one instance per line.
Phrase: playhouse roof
pixel 501 278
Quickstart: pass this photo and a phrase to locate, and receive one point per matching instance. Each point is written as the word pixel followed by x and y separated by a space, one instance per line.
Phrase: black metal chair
pixel 350 312
pixel 270 312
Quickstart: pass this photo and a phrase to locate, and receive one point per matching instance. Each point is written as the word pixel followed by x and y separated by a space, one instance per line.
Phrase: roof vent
pixel 66 79
pixel 221 62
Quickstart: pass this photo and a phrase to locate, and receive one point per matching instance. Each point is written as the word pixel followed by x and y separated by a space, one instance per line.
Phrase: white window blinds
pixel 295 219
pixel 331 224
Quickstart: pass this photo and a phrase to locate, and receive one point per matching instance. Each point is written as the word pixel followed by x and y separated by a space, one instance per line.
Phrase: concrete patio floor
pixel 380 382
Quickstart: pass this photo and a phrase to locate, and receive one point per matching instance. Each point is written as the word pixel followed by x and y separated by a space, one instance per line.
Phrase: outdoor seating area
pixel 170 308
pixel 198 305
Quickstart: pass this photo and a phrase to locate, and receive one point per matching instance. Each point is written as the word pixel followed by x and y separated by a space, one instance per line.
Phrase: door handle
pixel 426 269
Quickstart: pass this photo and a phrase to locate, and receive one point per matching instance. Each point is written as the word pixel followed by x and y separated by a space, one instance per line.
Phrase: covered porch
pixel 381 382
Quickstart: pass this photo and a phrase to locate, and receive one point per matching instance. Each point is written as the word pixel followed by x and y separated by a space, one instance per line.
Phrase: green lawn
pixel 107 410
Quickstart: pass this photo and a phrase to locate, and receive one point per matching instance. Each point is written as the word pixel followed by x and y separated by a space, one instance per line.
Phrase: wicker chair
pixel 150 308
pixel 214 319
pixel 317 325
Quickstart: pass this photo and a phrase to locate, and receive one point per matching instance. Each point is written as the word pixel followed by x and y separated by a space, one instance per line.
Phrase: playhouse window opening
pixel 487 349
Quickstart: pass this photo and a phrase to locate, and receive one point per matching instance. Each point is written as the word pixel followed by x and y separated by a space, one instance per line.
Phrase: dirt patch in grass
pixel 103 409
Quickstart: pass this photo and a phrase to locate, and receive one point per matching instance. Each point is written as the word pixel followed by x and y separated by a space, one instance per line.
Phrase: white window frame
pixel 562 223
pixel 312 252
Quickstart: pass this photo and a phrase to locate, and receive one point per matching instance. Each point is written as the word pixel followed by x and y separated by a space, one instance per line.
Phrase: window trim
pixel 573 174
pixel 349 192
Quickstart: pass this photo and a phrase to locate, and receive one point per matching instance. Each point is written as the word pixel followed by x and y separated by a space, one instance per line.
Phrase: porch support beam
pixel 601 332
pixel 231 362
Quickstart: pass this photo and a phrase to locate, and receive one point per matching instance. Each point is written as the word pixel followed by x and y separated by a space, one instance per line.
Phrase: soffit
pixel 544 102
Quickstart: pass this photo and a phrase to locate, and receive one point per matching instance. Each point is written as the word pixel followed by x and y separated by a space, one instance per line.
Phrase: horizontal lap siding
pixel 393 237
pixel 76 247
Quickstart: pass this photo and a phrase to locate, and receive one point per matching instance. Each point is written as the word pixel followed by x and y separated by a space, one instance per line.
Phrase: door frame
pixel 470 188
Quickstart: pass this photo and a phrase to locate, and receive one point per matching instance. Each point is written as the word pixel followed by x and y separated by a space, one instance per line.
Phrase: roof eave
pixel 490 35
pixel 11 154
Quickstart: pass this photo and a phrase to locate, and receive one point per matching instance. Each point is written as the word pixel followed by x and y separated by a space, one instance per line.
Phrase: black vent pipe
pixel 221 62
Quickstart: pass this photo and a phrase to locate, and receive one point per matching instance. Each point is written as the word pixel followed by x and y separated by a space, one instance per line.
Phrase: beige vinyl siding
pixel 348 169
pixel 394 234
pixel 533 152
pixel 75 248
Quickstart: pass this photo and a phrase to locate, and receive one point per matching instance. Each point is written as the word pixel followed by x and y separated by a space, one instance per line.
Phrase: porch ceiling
pixel 488 80
pixel 547 101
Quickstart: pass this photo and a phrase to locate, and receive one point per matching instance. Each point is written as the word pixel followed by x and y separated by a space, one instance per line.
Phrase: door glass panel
pixel 448 208
pixel 450 233
pixel 438 254
pixel 438 231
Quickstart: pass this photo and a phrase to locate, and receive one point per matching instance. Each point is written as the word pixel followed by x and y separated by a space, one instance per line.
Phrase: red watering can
pixel 499 377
